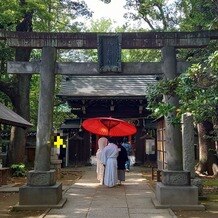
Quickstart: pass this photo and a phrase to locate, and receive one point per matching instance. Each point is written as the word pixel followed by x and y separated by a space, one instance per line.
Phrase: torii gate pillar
pixel 42 190
pixel 175 189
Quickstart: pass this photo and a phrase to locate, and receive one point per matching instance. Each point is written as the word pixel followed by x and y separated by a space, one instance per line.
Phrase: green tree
pixel 199 14
pixel 197 90
pixel 17 89
pixel 160 15
pixel 202 15
pixel 28 15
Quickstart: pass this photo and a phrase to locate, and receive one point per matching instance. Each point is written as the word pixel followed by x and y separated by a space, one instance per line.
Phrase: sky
pixel 114 10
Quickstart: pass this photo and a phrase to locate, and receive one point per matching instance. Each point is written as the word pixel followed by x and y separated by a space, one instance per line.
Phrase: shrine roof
pixel 106 85
pixel 7 116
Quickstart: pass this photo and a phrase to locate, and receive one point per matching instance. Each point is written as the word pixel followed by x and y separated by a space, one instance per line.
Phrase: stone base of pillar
pixel 177 197
pixel 175 178
pixel 199 183
pixel 40 197
pixel 41 178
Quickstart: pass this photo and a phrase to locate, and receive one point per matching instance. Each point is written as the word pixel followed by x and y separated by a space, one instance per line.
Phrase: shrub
pixel 18 170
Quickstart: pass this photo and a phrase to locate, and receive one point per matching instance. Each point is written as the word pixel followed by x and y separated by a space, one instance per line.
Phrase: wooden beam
pixel 133 40
pixel 91 68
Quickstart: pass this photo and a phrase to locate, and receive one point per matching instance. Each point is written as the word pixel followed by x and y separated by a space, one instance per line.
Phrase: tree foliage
pixel 199 14
pixel 158 14
pixel 187 15
pixel 197 90
pixel 47 15
pixel 43 15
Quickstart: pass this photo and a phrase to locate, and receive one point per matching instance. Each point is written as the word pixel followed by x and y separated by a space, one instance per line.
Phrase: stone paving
pixel 88 199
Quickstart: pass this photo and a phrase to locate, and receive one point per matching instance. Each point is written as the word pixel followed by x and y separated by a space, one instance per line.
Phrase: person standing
pixel 129 151
pixel 109 159
pixel 121 161
pixel 102 142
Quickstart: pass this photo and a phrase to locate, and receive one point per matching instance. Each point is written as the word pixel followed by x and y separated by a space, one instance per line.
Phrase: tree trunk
pixel 18 134
pixel 21 99
pixel 206 149
pixel 215 157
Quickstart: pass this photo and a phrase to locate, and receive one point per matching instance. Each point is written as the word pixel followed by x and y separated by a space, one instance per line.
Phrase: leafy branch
pixel 197 90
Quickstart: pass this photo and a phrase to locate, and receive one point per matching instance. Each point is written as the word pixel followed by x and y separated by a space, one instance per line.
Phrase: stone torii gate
pixel 41 181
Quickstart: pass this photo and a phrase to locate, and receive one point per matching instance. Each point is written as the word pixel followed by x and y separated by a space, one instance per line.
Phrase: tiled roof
pixel 105 85
pixel 7 116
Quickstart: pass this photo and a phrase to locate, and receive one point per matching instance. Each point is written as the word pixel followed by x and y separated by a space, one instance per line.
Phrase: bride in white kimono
pixel 109 159
pixel 102 142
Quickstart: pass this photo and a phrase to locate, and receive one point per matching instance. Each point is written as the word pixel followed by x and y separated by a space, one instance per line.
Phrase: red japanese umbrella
pixel 108 126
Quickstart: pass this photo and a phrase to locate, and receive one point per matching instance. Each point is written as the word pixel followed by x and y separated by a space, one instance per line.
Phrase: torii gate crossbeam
pixel 133 40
